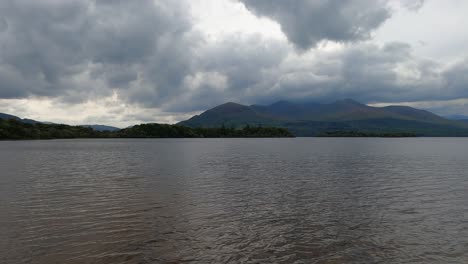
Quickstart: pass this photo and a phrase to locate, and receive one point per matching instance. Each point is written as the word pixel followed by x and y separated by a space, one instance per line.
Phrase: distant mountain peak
pixel 229 107
pixel 281 103
pixel 229 104
pixel 348 101
pixel 311 118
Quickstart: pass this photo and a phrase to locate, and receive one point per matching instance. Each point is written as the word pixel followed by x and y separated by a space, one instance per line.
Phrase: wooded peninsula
pixel 11 129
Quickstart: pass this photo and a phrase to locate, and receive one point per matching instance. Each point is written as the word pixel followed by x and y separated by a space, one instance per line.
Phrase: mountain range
pixel 312 119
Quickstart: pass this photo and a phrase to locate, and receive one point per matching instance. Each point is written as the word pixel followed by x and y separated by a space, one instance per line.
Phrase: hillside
pixel 7 117
pixel 229 114
pixel 311 119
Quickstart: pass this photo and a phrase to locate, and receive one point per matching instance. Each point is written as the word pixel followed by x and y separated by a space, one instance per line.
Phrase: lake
pixel 292 200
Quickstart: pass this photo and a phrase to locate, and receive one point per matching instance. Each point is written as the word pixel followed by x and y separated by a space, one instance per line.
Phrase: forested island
pixel 11 129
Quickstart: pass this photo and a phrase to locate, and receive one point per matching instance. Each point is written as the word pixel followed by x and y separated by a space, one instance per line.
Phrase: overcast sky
pixel 120 62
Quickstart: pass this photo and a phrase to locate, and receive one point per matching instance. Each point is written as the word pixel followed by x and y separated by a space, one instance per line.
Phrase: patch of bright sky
pixel 217 18
pixel 435 31
pixel 104 111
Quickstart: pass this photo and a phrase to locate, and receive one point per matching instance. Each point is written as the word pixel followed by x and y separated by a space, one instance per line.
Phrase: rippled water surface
pixel 304 200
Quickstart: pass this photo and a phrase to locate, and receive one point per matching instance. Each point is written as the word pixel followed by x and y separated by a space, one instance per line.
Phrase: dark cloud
pixel 307 22
pixel 74 48
pixel 455 81
pixel 234 69
pixel 366 72
pixel 3 24
pixel 148 53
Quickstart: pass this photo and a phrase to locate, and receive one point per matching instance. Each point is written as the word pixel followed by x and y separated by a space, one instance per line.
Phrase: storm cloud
pixel 86 48
pixel 307 22
pixel 151 55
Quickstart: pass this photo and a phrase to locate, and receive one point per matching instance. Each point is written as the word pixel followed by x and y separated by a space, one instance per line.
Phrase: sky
pixel 119 62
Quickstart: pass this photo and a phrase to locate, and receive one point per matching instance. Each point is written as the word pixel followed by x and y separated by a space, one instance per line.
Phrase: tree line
pixel 16 130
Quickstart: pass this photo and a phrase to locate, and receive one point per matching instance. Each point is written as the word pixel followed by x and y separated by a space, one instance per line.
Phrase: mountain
pixel 457 117
pixel 7 117
pixel 311 119
pixel 101 128
pixel 228 114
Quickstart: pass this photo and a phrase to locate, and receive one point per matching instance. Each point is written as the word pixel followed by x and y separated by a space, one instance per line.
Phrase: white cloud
pixel 218 19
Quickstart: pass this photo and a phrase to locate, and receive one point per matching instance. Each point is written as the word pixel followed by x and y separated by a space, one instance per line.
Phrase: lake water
pixel 302 200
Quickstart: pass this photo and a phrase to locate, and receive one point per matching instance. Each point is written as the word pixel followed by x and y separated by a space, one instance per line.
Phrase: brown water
pixel 304 200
